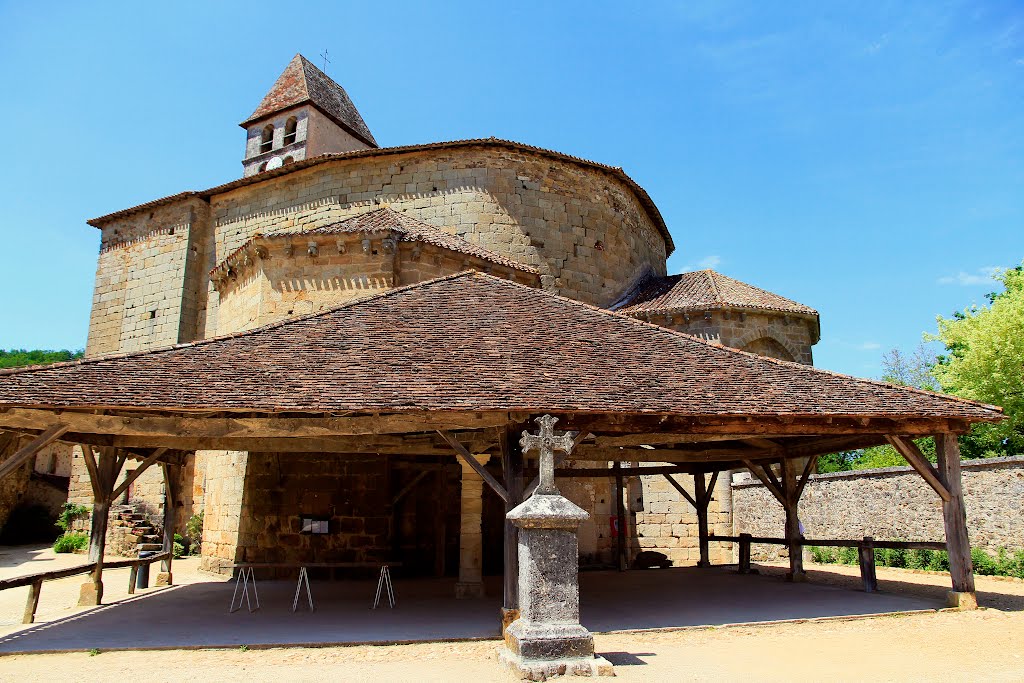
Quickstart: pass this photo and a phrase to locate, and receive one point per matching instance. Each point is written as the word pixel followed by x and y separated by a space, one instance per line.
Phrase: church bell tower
pixel 304 115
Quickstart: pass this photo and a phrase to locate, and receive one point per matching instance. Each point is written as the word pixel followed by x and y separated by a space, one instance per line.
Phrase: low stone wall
pixel 893 503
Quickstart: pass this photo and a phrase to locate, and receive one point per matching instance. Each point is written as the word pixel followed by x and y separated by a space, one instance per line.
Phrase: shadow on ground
pixel 196 615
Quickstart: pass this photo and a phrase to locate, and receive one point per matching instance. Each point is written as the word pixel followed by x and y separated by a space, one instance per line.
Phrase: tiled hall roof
pixel 301 82
pixel 704 289
pixel 469 342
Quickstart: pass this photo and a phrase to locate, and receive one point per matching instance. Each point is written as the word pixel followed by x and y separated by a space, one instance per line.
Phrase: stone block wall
pixel 893 503
pixel 223 498
pixel 665 522
pixel 149 289
pixel 584 229
pixel 777 335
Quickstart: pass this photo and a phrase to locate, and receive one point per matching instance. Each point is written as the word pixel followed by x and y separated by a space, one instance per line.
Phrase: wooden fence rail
pixel 35 581
pixel 865 551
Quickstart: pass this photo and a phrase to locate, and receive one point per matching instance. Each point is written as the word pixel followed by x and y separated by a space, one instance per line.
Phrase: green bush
pixel 70 542
pixel 69 514
pixel 177 549
pixel 194 533
pixel 823 555
pixel 847 555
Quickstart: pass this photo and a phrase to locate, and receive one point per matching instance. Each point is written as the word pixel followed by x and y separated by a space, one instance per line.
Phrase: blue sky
pixel 866 159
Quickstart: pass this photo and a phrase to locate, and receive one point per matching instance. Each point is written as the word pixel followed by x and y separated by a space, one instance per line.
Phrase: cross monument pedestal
pixel 547 639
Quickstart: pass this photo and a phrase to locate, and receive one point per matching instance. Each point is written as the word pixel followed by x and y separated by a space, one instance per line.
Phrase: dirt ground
pixel 987 644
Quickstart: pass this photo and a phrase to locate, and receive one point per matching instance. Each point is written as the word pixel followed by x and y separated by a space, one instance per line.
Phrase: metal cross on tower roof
pixel 326 61
pixel 546 443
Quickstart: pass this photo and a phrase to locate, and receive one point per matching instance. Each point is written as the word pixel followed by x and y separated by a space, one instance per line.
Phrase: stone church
pixel 323 215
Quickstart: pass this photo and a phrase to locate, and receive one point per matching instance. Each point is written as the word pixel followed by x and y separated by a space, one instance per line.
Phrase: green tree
pixel 16 358
pixel 984 361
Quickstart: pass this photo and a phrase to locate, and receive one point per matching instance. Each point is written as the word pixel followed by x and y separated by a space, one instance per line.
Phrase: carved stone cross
pixel 546 443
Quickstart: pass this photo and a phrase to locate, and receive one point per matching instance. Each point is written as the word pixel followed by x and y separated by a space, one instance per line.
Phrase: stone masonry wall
pixel 223 494
pixel 665 522
pixel 757 332
pixel 892 504
pixel 583 229
pixel 142 297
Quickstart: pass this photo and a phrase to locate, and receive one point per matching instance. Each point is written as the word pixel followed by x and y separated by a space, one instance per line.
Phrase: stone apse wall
pixel 892 504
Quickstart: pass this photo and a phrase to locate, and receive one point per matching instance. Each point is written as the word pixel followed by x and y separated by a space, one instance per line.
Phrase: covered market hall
pixel 390 431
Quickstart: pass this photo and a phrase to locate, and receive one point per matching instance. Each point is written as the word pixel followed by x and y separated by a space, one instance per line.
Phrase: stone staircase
pixel 129 531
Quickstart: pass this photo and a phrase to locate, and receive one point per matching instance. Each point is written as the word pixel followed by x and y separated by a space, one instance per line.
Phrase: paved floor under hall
pixel 196 614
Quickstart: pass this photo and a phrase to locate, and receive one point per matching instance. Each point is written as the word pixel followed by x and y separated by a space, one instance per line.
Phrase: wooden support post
pixel 512 467
pixel 866 553
pixel 744 567
pixel 440 524
pixel 954 515
pixel 103 472
pixel 33 602
pixel 620 519
pixel 166 577
pixel 791 492
pixel 133 575
pixel 701 493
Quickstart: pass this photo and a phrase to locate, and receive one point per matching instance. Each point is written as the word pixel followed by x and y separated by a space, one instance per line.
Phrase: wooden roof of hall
pixel 470 342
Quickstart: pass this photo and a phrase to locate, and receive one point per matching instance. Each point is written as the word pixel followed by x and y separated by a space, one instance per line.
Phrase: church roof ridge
pixel 471 342
pixel 302 82
pixel 616 171
pixel 386 218
pixel 706 288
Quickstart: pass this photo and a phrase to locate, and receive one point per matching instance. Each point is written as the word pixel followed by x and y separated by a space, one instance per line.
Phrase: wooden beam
pixel 808 468
pixel 711 488
pixel 758 442
pixel 620 517
pixel 682 491
pixel 225 427
pixel 153 457
pixel 771 484
pixel 767 426
pixel 12 463
pixel 410 486
pixel 566 473
pixel 954 517
pixel 659 439
pixel 910 452
pixel 468 458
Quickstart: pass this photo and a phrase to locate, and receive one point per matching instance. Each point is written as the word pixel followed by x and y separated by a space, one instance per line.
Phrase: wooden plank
pixel 32 604
pixel 135 474
pixel 620 518
pixel 700 491
pixel 770 484
pixel 910 452
pixel 90 465
pixel 711 488
pixel 28 579
pixel 410 486
pixel 954 517
pixel 52 433
pixel 624 471
pixel 679 487
pixel 480 469
pixel 512 467
pixel 128 424
pixel 744 540
pixel 170 501
pixel 806 475
pixel 659 439
pixel 866 555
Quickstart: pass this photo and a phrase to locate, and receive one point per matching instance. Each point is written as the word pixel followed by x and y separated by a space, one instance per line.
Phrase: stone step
pixel 151 538
pixel 151 546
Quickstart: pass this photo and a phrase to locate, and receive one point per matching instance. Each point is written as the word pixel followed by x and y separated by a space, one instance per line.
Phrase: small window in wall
pixel 314 525
pixel 287 160
pixel 289 130
pixel 267 142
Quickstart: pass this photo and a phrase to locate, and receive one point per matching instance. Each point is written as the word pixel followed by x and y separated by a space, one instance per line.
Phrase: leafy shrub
pixel 69 514
pixel 177 549
pixel 823 555
pixel 194 533
pixel 847 555
pixel 70 542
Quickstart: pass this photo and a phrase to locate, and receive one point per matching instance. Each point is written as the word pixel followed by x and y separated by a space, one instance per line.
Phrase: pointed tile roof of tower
pixel 301 82
pixel 703 289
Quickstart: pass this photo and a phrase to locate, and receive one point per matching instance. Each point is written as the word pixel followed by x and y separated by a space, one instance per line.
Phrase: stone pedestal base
pixel 799 577
pixel 466 590
pixel 164 579
pixel 90 594
pixel 962 600
pixel 541 670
